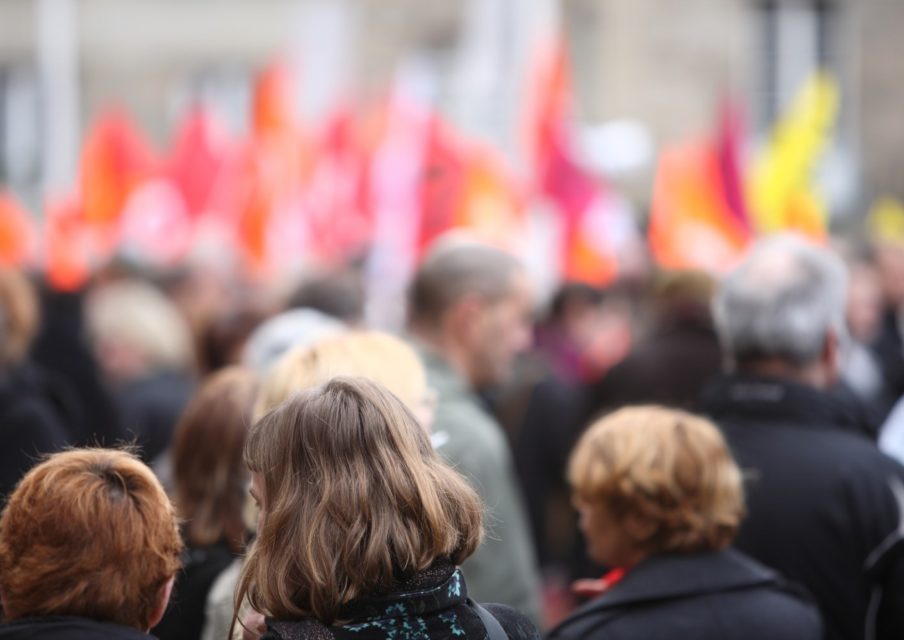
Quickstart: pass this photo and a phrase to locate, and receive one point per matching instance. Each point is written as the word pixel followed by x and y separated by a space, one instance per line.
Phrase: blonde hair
pixel 90 533
pixel 369 354
pixel 354 498
pixel 135 313
pixel 666 468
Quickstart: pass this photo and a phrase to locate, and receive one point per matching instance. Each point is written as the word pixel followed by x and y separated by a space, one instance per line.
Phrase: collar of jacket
pixel 442 377
pixel 677 576
pixel 759 399
pixel 439 587
pixel 435 589
pixel 66 627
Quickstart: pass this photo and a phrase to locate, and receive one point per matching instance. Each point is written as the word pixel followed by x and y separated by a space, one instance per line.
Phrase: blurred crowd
pixel 676 455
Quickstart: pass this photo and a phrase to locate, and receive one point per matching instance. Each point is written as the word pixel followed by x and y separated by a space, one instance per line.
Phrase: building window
pixel 20 131
pixel 798 37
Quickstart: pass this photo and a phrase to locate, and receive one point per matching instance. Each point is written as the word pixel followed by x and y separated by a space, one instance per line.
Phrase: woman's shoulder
pixel 516 625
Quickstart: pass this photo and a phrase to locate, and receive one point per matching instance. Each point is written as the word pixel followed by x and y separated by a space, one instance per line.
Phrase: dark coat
pixel 29 427
pixel 151 408
pixel 67 628
pixel 669 368
pixel 824 505
pixel 709 596
pixel 185 615
pixel 431 605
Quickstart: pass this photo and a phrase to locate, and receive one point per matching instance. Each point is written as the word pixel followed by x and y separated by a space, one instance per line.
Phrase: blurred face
pixel 864 304
pixel 608 542
pixel 501 331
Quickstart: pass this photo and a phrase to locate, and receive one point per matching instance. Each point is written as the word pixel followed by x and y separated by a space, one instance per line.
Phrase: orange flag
pixel 115 158
pixel 67 245
pixel 17 233
pixel 274 164
pixel 692 225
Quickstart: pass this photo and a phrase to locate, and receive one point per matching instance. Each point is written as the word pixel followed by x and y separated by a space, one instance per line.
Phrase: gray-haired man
pixel 825 506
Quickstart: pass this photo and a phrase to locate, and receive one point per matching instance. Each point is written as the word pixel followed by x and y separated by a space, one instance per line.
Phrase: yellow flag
pixel 886 220
pixel 781 190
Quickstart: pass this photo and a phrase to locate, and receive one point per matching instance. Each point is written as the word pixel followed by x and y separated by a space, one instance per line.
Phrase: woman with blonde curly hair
pixel 362 525
pixel 660 501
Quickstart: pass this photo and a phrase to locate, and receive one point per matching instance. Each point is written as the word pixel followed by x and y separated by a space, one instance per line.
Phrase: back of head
pixel 781 303
pixel 339 294
pixel 348 457
pixel 293 328
pixel 209 476
pixel 453 270
pixel 379 356
pixel 18 316
pixel 88 533
pixel 134 315
pixel 665 472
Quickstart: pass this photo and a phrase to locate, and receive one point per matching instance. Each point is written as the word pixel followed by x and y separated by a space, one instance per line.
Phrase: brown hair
pixel 209 476
pixel 354 498
pixel 379 356
pixel 19 315
pixel 90 533
pixel 666 468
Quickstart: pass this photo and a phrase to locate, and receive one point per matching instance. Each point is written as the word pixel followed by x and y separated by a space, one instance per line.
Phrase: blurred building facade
pixel 665 64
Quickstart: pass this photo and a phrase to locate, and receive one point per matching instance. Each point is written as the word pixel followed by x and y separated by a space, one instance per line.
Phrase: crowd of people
pixel 677 455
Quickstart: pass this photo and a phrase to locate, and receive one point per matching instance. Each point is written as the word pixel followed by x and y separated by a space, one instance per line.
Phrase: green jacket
pixel 503 569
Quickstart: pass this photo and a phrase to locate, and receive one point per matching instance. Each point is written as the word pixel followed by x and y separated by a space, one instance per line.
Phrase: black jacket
pixel 29 427
pixel 185 615
pixel 431 605
pixel 823 502
pixel 708 596
pixel 67 628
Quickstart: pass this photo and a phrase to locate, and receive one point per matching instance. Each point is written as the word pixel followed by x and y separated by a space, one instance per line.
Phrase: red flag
pixel 589 253
pixel 199 163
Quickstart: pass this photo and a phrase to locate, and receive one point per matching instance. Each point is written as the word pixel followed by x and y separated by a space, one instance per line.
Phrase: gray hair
pixel 781 302
pixel 453 270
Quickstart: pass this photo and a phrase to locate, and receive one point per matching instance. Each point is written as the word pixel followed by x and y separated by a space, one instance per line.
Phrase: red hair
pixel 89 533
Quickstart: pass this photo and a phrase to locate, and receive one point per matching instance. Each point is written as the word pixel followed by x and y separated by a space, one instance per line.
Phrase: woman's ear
pixel 640 529
pixel 160 609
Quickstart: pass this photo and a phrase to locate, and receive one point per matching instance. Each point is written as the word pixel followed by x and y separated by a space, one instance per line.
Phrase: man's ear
pixel 463 315
pixel 160 609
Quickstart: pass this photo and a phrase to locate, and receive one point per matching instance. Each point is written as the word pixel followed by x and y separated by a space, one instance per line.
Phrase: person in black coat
pixel 89 546
pixel 660 499
pixel 32 420
pixel 826 508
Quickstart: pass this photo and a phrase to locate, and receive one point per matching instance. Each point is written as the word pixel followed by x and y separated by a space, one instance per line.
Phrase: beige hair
pixel 354 498
pixel 137 314
pixel 669 469
pixel 369 354
pixel 19 314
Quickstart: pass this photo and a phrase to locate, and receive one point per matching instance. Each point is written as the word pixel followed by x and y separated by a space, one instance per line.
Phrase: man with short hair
pixel 469 311
pixel 825 506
